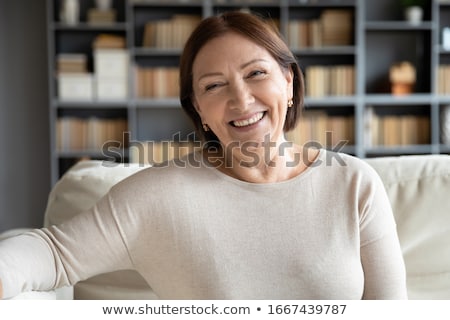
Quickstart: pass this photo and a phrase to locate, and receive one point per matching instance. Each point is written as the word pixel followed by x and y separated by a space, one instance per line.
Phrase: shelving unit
pixel 379 38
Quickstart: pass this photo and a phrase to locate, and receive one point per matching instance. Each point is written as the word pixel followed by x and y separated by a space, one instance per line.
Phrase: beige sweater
pixel 195 233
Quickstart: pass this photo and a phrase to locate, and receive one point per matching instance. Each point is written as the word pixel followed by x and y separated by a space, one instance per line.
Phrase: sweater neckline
pixel 302 175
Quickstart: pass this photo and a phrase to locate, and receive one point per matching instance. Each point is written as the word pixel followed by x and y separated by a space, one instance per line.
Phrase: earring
pixel 290 103
pixel 205 127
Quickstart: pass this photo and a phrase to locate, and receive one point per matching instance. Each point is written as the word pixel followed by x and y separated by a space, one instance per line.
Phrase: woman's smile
pixel 249 121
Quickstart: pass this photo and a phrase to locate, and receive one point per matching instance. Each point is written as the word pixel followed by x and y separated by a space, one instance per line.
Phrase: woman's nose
pixel 241 96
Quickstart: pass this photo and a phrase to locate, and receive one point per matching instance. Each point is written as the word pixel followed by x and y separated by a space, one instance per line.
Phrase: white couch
pixel 418 188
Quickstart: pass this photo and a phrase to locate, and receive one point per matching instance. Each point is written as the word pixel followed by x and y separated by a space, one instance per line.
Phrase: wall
pixel 24 123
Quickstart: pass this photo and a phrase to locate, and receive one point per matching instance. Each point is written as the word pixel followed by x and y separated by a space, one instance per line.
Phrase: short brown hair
pixel 258 31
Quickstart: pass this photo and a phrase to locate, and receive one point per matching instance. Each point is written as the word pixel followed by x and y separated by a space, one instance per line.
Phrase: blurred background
pixel 24 116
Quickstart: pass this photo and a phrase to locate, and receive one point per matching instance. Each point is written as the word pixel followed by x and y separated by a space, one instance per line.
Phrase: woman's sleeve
pixel 381 255
pixel 91 243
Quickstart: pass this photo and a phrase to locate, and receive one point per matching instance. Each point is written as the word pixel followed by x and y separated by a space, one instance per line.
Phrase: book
pixel 101 17
pixel 156 82
pixel 71 63
pixel 169 33
pixel 109 41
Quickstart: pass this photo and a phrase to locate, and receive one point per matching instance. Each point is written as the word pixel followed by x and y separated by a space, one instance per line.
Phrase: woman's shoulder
pixel 169 172
pixel 346 164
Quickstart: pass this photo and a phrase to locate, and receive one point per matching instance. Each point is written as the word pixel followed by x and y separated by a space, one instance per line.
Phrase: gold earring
pixel 205 127
pixel 290 103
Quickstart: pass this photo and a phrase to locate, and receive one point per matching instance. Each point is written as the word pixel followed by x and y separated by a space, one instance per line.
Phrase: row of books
pixel 396 130
pixel 156 82
pixel 71 63
pixel 318 127
pixel 324 81
pixel 101 17
pixel 74 133
pixel 444 79
pixel 171 33
pixel 334 27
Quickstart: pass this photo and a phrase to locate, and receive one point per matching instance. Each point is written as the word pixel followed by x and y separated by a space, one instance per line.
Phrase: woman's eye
pixel 256 73
pixel 212 86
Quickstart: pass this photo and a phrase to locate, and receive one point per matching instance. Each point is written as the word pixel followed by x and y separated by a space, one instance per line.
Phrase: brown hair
pixel 258 31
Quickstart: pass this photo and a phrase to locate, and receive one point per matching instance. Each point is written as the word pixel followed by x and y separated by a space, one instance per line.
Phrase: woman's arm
pixel 380 251
pixel 384 269
pixel 89 244
pixel 1 289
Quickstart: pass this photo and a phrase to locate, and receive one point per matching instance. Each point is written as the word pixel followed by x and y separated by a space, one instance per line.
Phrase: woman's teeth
pixel 242 123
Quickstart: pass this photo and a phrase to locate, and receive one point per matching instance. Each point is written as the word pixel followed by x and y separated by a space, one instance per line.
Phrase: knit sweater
pixel 196 233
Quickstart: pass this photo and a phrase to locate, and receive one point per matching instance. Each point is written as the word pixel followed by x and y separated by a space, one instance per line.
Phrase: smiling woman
pixel 256 217
pixel 240 84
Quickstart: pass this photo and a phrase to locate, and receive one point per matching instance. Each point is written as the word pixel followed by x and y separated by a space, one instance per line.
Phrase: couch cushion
pixel 78 190
pixel 419 190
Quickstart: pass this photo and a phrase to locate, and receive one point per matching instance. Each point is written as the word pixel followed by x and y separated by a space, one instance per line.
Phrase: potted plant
pixel 413 10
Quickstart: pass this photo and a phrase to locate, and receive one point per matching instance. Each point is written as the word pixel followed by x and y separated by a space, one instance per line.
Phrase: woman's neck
pixel 259 163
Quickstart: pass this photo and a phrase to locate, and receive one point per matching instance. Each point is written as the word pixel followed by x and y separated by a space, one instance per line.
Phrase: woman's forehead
pixel 230 47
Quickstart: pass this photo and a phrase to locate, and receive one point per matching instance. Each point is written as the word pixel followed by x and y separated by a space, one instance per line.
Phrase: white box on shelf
pixel 75 86
pixel 109 63
pixel 111 88
pixel 446 38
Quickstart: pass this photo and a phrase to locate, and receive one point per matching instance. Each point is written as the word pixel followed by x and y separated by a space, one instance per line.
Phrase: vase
pixel 414 15
pixel 70 12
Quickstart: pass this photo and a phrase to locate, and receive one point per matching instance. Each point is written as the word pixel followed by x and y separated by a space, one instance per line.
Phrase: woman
pixel 255 218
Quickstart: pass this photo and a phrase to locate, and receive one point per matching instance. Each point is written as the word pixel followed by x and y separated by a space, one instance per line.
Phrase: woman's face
pixel 240 91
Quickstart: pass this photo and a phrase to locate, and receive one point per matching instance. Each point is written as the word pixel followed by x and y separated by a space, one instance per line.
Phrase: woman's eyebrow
pixel 242 66
pixel 209 74
pixel 246 64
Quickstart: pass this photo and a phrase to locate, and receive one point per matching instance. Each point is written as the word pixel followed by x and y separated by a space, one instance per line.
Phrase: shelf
pixel 379 39
pixel 330 101
pixel 155 52
pixel 66 154
pixel 444 99
pixel 113 104
pixel 397 26
pixel 388 99
pixel 163 103
pixel 83 26
pixel 338 50
pixel 444 148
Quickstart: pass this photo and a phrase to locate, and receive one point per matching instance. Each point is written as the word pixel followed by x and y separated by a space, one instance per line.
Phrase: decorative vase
pixel 414 15
pixel 70 12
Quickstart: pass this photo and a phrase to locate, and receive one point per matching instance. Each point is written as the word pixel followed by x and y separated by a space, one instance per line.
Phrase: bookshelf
pixel 345 48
